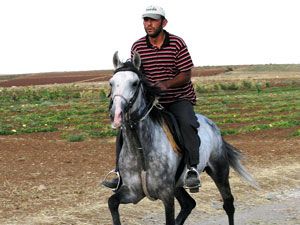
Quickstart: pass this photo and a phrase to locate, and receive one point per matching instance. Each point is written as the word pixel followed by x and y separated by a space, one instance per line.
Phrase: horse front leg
pixel 187 204
pixel 113 204
pixel 169 210
pixel 122 196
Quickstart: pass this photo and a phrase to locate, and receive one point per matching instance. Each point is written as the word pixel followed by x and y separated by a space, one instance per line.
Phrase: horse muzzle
pixel 116 112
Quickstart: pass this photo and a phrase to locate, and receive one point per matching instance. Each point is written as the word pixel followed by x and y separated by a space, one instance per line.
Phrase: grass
pixel 66 109
pixel 79 113
pixel 296 133
pixel 76 137
pixel 249 110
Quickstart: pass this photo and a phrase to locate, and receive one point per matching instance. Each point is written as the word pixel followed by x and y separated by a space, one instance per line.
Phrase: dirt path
pixel 284 208
pixel 46 180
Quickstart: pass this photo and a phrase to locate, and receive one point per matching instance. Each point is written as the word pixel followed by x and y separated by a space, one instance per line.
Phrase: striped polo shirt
pixel 159 64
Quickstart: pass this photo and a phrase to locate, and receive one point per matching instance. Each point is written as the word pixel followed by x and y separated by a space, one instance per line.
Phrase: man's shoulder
pixel 140 43
pixel 176 39
pixel 140 40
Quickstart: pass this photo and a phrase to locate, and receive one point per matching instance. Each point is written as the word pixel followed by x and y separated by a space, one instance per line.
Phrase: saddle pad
pixel 171 128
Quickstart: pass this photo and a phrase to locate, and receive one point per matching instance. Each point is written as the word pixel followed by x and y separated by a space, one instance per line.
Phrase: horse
pixel 148 162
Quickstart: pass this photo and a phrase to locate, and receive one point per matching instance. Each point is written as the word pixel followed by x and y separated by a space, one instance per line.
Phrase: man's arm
pixel 178 81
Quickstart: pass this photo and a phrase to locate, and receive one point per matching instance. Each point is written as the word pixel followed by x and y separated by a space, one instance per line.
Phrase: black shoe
pixel 192 180
pixel 115 180
pixel 112 184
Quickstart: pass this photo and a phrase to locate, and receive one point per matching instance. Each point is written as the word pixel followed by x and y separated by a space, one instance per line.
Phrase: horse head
pixel 125 89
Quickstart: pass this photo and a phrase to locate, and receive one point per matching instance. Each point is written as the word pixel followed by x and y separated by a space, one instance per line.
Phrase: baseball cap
pixel 154 12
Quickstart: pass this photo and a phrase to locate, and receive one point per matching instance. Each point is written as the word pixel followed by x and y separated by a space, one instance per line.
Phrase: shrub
pixel 296 133
pixel 223 86
pixel 217 87
pixel 103 95
pixel 258 86
pixel 247 84
pixel 76 138
pixel 200 89
pixel 233 86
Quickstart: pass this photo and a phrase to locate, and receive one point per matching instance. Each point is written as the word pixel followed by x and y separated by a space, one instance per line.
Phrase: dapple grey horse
pixel 148 162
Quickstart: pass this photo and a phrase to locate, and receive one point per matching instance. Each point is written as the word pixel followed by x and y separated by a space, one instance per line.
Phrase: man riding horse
pixel 166 64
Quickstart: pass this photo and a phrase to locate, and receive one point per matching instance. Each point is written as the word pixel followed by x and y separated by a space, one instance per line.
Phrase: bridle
pixel 138 115
pixel 130 102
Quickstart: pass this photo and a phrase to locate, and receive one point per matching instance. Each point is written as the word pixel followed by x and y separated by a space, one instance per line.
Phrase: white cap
pixel 154 12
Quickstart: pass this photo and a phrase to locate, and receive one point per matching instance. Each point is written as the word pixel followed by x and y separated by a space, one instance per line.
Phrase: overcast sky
pixel 72 35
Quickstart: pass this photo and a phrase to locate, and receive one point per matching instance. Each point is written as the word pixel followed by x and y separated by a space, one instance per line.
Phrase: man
pixel 166 63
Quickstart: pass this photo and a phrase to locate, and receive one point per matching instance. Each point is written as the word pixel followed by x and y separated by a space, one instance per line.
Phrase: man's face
pixel 153 27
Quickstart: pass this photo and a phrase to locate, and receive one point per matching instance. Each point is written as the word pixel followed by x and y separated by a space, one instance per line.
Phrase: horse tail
pixel 234 157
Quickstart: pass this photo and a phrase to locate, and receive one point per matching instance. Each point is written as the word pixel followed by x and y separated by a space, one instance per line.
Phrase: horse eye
pixel 135 83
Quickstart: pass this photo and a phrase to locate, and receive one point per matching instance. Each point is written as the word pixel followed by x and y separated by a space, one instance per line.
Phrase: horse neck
pixel 145 130
pixel 147 144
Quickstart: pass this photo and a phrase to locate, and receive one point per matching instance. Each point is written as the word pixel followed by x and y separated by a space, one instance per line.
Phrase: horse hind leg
pixel 220 175
pixel 187 204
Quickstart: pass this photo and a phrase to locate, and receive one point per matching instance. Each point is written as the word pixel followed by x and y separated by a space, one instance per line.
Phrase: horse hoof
pixel 194 190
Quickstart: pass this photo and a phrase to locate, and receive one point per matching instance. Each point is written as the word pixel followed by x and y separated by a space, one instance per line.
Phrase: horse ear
pixel 116 60
pixel 136 60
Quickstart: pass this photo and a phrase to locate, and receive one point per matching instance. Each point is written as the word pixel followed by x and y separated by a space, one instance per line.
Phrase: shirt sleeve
pixel 133 49
pixel 183 59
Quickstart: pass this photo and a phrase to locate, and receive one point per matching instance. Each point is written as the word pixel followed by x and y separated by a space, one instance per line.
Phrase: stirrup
pixel 194 188
pixel 118 177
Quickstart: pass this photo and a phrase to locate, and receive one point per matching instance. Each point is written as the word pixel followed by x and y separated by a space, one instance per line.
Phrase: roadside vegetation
pixel 81 112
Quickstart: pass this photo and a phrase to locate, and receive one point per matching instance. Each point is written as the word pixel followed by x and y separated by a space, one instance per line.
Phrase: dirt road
pixel 46 180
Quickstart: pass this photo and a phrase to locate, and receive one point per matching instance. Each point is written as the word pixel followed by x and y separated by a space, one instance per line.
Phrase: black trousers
pixel 184 113
pixel 188 124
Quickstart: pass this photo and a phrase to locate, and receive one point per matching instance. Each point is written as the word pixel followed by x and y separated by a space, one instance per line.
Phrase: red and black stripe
pixel 165 63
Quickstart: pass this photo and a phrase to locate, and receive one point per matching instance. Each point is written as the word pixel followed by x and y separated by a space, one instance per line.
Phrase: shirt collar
pixel 166 41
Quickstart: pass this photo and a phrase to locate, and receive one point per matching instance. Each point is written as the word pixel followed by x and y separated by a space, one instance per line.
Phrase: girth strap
pixel 143 163
pixel 138 144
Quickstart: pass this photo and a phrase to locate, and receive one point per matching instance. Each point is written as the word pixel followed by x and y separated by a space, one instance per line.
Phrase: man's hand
pixel 162 85
pixel 178 81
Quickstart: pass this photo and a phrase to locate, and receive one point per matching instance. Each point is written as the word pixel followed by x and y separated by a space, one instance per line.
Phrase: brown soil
pixel 55 78
pixel 47 180
pixel 82 77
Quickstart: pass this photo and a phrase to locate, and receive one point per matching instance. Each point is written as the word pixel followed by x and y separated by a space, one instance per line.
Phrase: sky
pixel 75 35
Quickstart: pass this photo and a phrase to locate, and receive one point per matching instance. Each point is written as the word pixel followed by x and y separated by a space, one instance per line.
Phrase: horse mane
pixel 162 117
pixel 128 66
pixel 151 93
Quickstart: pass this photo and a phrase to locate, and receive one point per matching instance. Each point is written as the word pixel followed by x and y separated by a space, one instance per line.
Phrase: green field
pixel 81 112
